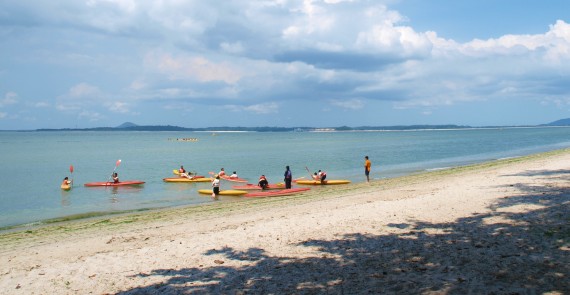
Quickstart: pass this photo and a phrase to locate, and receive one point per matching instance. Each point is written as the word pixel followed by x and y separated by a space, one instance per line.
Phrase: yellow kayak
pixel 65 187
pixel 229 192
pixel 326 182
pixel 184 179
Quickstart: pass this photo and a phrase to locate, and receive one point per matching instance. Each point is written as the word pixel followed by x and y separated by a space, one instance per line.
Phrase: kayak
pixel 276 193
pixel 250 187
pixel 65 187
pixel 326 182
pixel 229 192
pixel 121 183
pixel 234 179
pixel 184 179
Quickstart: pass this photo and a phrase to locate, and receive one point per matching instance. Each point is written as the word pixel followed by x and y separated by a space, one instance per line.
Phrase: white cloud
pixel 256 54
pixel 553 45
pixel 78 97
pixel 9 98
pixel 119 107
pixel 193 67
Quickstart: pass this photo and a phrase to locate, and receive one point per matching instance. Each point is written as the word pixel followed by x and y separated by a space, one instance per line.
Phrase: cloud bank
pixel 141 58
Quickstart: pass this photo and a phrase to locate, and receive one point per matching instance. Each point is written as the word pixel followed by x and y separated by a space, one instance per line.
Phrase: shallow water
pixel 33 164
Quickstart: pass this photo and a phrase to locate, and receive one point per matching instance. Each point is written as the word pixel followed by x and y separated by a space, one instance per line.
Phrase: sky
pixel 283 63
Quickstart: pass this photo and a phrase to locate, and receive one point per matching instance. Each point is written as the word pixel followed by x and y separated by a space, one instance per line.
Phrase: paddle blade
pixel 118 163
pixel 71 168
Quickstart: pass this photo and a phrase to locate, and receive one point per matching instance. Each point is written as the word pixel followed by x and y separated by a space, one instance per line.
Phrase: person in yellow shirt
pixel 367 166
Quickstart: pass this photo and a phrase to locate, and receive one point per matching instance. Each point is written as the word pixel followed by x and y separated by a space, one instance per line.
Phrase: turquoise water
pixel 33 164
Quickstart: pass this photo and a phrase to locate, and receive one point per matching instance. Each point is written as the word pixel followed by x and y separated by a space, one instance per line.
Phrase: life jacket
pixel 182 170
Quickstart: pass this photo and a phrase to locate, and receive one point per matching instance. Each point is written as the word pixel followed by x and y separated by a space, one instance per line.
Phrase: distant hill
pixel 127 125
pixel 561 122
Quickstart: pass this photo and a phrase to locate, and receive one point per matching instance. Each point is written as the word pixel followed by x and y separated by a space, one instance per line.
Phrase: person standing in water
pixel 215 186
pixel 288 177
pixel 367 166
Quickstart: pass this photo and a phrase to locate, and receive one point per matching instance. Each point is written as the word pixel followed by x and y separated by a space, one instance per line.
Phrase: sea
pixel 34 163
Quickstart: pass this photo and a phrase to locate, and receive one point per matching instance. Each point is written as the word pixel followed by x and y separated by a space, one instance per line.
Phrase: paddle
pixel 311 175
pixel 71 170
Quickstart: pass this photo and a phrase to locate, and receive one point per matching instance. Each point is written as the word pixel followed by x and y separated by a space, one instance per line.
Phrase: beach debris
pixel 218 261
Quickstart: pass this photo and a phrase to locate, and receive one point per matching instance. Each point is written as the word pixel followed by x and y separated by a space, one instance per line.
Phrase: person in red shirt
pixel 367 166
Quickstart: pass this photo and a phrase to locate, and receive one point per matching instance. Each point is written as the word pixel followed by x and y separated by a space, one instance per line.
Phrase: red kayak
pixel 234 179
pixel 274 193
pixel 250 187
pixel 121 183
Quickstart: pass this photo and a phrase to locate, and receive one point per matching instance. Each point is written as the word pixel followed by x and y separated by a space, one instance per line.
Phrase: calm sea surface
pixel 33 164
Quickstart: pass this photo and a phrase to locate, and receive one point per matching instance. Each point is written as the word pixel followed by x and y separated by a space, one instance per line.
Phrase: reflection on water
pixel 65 198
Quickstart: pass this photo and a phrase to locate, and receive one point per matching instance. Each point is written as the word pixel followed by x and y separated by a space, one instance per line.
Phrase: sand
pixel 495 228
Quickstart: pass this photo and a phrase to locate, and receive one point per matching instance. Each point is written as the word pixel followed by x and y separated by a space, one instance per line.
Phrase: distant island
pixel 129 126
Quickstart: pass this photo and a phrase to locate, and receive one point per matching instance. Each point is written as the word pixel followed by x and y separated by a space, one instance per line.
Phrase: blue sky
pixel 324 63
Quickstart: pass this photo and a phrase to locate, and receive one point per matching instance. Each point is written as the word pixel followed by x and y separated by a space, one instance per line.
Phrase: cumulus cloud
pixel 253 55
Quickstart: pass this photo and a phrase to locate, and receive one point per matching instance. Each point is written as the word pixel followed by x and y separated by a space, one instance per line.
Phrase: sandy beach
pixel 495 228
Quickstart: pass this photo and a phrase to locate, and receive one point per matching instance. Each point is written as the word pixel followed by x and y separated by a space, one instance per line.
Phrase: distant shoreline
pixel 168 128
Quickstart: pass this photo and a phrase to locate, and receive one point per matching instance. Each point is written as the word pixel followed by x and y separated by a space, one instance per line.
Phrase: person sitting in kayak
pixel 66 181
pixel 222 173
pixel 322 175
pixel 182 172
pixel 234 175
pixel 115 178
pixel 263 183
